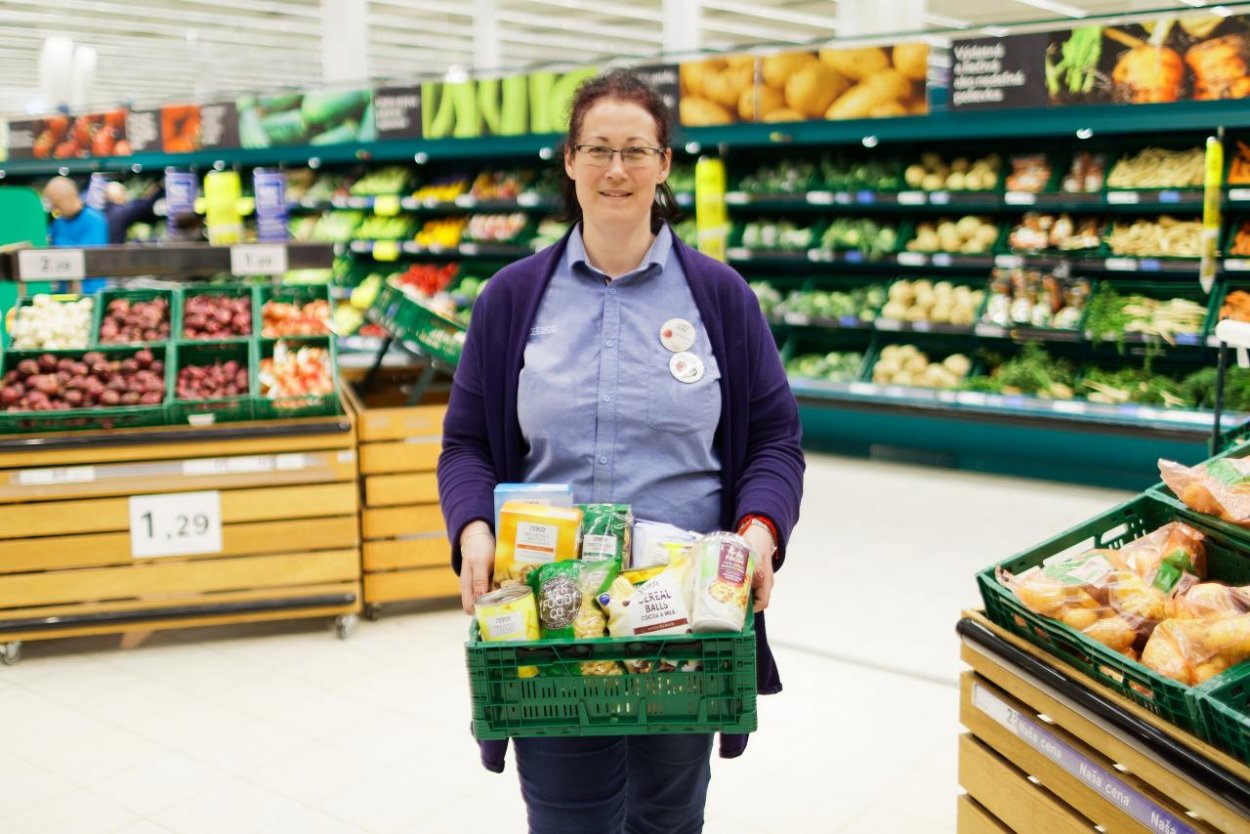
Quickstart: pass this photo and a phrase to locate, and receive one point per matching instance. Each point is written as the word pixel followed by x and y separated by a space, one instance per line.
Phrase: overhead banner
pixel 828 84
pixel 397 112
pixel 1198 57
pixel 513 106
pixel 219 125
pixel 62 136
pixel 143 131
pixel 666 79
pixel 317 117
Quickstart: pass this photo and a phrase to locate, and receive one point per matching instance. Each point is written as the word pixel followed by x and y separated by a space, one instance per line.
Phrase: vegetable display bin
pixel 221 409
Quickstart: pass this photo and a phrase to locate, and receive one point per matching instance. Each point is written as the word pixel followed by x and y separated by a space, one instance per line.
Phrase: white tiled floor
pixel 283 729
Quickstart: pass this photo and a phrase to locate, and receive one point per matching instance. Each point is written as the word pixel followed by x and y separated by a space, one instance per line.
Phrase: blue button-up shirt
pixel 597 403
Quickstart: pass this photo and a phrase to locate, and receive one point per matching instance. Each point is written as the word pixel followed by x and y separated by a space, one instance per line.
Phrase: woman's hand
pixel 477 562
pixel 762 582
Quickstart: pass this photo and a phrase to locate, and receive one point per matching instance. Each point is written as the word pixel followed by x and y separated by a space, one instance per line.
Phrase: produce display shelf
pixel 1048 749
pixel 390 250
pixel 279 537
pixel 1116 201
pixel 944 260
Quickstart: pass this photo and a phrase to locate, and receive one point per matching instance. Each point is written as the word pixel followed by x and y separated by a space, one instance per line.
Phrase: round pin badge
pixel 686 367
pixel 677 335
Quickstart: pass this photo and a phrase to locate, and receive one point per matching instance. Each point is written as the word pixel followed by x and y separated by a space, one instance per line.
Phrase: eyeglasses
pixel 636 156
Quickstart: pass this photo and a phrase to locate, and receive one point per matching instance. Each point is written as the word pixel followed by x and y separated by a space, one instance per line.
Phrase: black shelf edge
pixel 181 259
pixel 168 434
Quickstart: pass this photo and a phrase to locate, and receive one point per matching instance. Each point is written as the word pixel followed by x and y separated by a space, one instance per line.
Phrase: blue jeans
pixel 635 784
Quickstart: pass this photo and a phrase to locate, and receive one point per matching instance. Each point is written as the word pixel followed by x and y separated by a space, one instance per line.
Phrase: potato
pixel 777 69
pixel 725 87
pixel 956 182
pixel 856 103
pixel 895 311
pixel 892 84
pixel 856 64
pixel 903 378
pixel 739 61
pixel 914 175
pixel 886 110
pixel 933 182
pixel 693 75
pixel 912 60
pixel 699 112
pixel 957 364
pixel 769 100
pixel 784 114
pixel 813 88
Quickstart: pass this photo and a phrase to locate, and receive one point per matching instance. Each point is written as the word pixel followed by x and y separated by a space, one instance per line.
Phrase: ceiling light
pixel 997 31
pixel 947 21
pixel 1056 7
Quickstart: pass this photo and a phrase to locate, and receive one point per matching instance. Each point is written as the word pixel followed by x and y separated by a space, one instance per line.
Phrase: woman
pixel 640 371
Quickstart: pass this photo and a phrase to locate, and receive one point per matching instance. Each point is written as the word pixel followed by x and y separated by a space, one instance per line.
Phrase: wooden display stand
pixel 1035 762
pixel 406 555
pixel 290 544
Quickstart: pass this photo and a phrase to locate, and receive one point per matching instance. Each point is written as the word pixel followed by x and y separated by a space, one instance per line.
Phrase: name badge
pixel 686 367
pixel 677 335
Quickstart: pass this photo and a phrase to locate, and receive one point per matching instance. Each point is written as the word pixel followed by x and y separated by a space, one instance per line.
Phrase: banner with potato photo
pixel 827 84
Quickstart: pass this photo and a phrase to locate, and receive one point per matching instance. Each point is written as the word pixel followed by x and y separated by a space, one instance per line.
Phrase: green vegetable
pixel 1133 385
pixel 1032 372
pixel 251 132
pixel 830 367
pixel 280 101
pixel 329 107
pixel 341 135
pixel 1080 55
pixel 284 128
pixel 514 119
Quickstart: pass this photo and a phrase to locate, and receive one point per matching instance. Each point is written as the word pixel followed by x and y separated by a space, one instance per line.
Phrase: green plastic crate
pixel 26 301
pixel 1160 695
pixel 88 419
pixel 229 291
pixel 106 297
pixel 319 405
pixel 436 335
pixel 223 409
pixel 1224 708
pixel 295 294
pixel 719 697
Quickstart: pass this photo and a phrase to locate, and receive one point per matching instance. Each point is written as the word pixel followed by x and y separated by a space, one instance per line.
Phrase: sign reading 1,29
pixel 51 264
pixel 177 524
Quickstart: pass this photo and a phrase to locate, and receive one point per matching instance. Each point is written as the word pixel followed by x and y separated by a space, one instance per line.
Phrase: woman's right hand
pixel 477 562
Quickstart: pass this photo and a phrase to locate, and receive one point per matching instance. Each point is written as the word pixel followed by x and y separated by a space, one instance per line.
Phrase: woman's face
pixel 621 190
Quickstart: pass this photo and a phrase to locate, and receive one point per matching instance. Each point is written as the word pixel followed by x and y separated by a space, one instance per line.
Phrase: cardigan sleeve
pixel 466 472
pixel 771 483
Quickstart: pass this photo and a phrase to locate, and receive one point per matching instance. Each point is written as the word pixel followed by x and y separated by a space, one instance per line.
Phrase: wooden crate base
pixel 398 554
pixel 971 818
pixel 1006 792
pixel 392 522
pixel 403 585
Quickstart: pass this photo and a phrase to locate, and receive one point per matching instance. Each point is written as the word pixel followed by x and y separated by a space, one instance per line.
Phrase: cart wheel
pixel 345 625
pixel 10 653
pixel 373 612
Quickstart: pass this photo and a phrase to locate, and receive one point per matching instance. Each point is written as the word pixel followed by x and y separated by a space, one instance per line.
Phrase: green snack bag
pixel 558 595
pixel 607 532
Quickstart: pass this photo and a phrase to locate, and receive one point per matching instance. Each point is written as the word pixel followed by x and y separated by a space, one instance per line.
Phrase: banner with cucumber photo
pixel 513 106
pixel 317 117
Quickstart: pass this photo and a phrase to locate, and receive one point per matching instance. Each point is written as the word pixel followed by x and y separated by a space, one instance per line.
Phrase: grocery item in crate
pixel 1029 173
pixel 1169 559
pixel 1236 306
pixel 1086 174
pixel 507 614
pixel 1239 172
pixel 52 383
pixel 906 365
pixel 496 228
pixel 1219 487
pixel 1209 599
pixel 1039 231
pixel 933 173
pixel 1241 241
pixel 782 234
pixel 938 303
pixel 281 318
pixel 723 566
pixel 216 316
pixel 607 532
pixel 530 535
pixel 835 366
pixel 1031 298
pixel 566 598
pixel 657 544
pixel 49 324
pixel 1160 168
pixel 969 235
pixel 660 605
pixel 1167 238
pixel 860 303
pixel 294 373
pixel 441 233
pixel 547 495
pixel 1194 651
pixel 211 382
pixel 128 321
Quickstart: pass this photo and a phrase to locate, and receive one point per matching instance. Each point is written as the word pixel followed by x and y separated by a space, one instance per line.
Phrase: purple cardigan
pixel 758 438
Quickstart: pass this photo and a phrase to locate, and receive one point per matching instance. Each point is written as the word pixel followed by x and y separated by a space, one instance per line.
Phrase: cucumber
pixel 341 135
pixel 284 128
pixel 562 97
pixel 251 131
pixel 438 120
pixel 368 126
pixel 330 107
pixel 468 118
pixel 488 105
pixel 514 120
pixel 280 101
pixel 540 100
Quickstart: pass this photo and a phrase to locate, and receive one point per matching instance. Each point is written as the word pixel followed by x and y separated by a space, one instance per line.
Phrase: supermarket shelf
pixel 968 201
pixel 264 430
pixel 390 250
pixel 944 260
pixel 178 259
pixel 394 204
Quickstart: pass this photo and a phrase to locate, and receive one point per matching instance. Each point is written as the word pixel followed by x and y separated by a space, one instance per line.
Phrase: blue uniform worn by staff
pixel 76 223
pixel 640 371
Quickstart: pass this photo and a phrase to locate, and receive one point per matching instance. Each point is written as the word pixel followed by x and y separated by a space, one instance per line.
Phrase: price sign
pixel 889 324
pixel 738 253
pixel 466 201
pixel 737 198
pixel 1123 198
pixel 51 264
pixel 865 198
pixel 385 250
pixel 1239 194
pixel 469 249
pixel 258 259
pixel 529 199
pixel 177 524
pixel 1019 198
pixel 1008 261
pixel 1237 265
pixel 854 257
pixel 1121 264
pixel 820 198
pixel 911 259
pixel 863 388
pixel 1169 196
pixel 387 205
pixel 912 198
pixel 940 198
pixel 358 202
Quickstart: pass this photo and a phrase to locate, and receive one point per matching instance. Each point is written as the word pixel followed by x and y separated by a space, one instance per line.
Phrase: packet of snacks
pixel 607 531
pixel 655 543
pixel 659 605
pixel 565 594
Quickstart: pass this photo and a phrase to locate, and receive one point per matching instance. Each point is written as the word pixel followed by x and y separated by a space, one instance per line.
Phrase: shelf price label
pixel 1019 198
pixel 912 198
pixel 52 264
pixel 258 259
pixel 385 250
pixel 1123 198
pixel 1121 264
pixel 1239 194
pixel 387 205
pixel 911 259
pixel 820 198
pixel 176 524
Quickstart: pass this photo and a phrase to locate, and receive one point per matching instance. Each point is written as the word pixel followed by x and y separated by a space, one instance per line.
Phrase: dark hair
pixel 618 85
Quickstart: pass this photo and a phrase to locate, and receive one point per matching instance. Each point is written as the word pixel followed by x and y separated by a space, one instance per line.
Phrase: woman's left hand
pixel 762 582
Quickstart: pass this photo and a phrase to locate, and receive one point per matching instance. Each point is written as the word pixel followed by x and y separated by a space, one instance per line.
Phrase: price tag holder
pixel 942 259
pixel 738 253
pixel 52 264
pixel 865 389
pixel 1123 198
pixel 940 198
pixel 889 325
pixel 1237 265
pixel 53 477
pixel 1169 196
pixel 912 198
pixel 1121 264
pixel 527 200
pixel 258 259
pixel 820 198
pixel 866 198
pixel 843 198
pixel 385 250
pixel 911 259
pixel 1008 261
pixel 469 249
pixel 1067 407
pixel 854 256
pixel 177 524
pixel 1239 194
pixel 387 205
pixel 737 198
pixel 1019 198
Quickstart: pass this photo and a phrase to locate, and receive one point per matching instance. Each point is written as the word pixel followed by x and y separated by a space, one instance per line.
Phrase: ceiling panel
pixel 152 51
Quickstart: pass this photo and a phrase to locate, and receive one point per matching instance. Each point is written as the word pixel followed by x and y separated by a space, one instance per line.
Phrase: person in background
pixel 640 371
pixel 121 212
pixel 75 223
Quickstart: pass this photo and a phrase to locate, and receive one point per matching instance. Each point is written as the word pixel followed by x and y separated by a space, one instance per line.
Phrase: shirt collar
pixel 654 261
